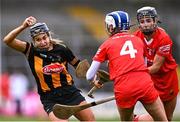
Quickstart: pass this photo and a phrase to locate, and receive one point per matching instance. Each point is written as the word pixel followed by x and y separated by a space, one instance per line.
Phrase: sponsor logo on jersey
pixel 52 68
pixel 151 52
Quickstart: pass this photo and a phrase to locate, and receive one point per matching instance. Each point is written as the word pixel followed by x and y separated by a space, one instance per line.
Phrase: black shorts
pixel 68 95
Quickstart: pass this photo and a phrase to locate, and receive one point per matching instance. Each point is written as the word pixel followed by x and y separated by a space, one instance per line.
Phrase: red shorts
pixel 133 87
pixel 166 84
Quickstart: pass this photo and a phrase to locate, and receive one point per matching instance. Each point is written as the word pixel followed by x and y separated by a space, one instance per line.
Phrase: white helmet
pixel 119 20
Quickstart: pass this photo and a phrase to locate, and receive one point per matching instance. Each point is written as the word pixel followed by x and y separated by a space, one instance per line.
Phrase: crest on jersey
pixel 165 49
pixel 53 68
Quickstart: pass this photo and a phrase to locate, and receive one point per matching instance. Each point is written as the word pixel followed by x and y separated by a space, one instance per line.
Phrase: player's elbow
pixel 6 40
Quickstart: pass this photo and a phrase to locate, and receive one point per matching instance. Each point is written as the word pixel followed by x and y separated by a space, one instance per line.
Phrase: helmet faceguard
pixel 118 21
pixel 147 12
pixel 38 28
pixel 35 30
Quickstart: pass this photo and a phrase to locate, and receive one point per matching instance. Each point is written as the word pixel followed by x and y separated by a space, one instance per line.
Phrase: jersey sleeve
pixel 68 54
pixel 27 48
pixel 101 54
pixel 165 47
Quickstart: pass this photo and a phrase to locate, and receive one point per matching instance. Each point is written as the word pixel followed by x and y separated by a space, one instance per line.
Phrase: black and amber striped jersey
pixel 50 68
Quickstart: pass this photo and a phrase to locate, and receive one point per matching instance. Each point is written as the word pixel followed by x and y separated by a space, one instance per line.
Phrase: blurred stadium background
pixel 80 23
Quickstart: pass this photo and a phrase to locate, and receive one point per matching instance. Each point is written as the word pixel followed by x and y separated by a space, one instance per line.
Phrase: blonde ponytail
pixel 57 41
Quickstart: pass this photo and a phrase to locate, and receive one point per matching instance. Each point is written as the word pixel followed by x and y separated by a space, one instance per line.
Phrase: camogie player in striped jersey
pixel 48 60
pixel 158 55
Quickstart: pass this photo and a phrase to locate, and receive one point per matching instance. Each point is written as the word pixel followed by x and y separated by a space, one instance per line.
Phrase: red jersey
pixel 124 52
pixel 165 80
pixel 160 44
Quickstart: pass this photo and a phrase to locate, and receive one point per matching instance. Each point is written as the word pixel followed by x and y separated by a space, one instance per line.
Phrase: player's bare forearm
pixel 11 41
pixel 153 69
pixel 157 63
pixel 13 34
pixel 10 37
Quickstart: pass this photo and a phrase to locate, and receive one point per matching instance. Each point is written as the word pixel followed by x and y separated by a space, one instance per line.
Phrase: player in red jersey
pixel 132 82
pixel 159 59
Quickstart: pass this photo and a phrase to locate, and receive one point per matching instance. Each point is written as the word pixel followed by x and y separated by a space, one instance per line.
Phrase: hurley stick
pixel 66 111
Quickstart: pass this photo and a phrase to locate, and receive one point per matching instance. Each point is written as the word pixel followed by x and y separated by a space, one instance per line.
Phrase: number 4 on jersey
pixel 128 49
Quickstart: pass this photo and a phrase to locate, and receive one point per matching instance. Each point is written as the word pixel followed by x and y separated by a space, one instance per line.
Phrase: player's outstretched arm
pixel 10 38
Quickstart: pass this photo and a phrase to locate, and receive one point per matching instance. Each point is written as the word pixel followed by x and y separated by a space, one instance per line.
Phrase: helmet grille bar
pixel 146 12
pixel 38 28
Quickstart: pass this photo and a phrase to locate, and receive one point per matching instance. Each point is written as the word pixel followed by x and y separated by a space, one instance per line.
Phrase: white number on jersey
pixel 128 49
